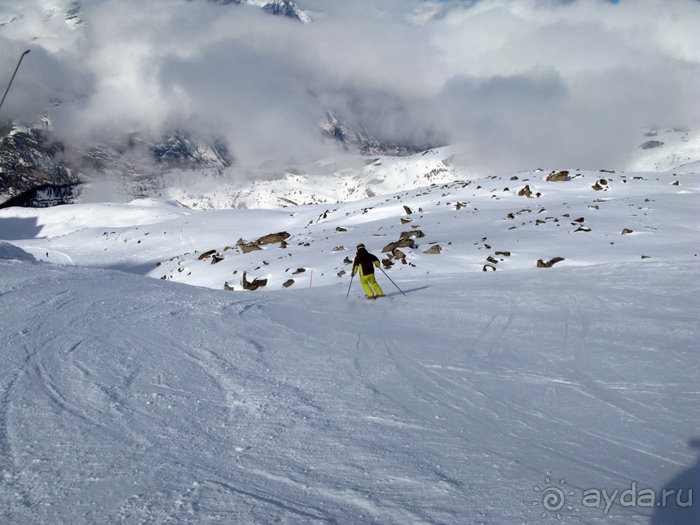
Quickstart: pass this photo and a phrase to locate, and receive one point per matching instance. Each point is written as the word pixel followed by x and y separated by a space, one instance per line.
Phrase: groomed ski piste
pixel 136 389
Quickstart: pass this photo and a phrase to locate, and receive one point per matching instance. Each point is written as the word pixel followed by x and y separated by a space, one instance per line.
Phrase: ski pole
pixel 351 278
pixel 13 77
pixel 392 282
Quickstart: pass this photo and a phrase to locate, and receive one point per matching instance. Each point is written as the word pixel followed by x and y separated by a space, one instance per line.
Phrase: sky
pixel 518 84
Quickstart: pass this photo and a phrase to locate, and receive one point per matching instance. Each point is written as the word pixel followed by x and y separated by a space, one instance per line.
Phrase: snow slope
pixel 477 397
pixel 125 399
pixel 478 222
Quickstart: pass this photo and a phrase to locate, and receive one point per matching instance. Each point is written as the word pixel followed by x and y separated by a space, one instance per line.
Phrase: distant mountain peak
pixel 287 8
pixel 274 7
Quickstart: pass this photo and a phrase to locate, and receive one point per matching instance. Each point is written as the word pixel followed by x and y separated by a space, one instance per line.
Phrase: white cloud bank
pixel 521 83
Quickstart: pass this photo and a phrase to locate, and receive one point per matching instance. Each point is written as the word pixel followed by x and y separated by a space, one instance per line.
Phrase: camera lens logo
pixel 553 498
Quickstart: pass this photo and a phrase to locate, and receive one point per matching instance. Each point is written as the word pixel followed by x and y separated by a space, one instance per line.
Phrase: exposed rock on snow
pixel 559 176
pixel 525 192
pixel 254 284
pixel 549 263
pixel 272 238
pixel 402 243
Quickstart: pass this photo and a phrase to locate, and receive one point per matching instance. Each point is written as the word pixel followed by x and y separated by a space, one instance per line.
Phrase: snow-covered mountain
pixel 585 217
pixel 541 351
pixel 184 342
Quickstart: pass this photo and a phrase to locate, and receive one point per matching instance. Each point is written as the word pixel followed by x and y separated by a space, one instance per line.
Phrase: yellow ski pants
pixel 370 285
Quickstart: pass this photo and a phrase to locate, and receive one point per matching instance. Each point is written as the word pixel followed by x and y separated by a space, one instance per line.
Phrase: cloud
pixel 521 84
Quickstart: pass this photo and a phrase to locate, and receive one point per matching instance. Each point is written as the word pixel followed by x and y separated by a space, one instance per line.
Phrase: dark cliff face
pixel 37 170
pixel 364 142
pixel 30 159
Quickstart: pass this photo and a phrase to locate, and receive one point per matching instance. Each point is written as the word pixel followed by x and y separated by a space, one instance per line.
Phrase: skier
pixel 363 262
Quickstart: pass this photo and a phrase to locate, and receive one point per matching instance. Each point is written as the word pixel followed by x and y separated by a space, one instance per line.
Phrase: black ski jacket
pixel 366 261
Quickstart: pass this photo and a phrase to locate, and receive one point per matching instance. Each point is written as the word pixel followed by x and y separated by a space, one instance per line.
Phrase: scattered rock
pixel 340 229
pixel 247 247
pixel 415 233
pixel 405 221
pixel 347 260
pixel 206 255
pixel 403 243
pixel 549 263
pixel 433 250
pixel 650 144
pixel 487 267
pixel 288 283
pixel 559 176
pixel 626 231
pixel 228 287
pixel 505 254
pixel 525 192
pixel 600 185
pixel 339 249
pixel 298 271
pixel 407 210
pixel 272 238
pixel 254 284
pixel 216 258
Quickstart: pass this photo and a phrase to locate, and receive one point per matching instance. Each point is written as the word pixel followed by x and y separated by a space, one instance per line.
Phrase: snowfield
pixel 493 391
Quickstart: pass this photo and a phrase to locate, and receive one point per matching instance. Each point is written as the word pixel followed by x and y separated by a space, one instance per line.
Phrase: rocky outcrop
pixel 272 238
pixel 356 137
pixel 651 144
pixel 525 192
pixel 254 284
pixel 402 243
pixel 559 176
pixel 412 233
pixel 600 185
pixel 549 263
pixel 31 161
